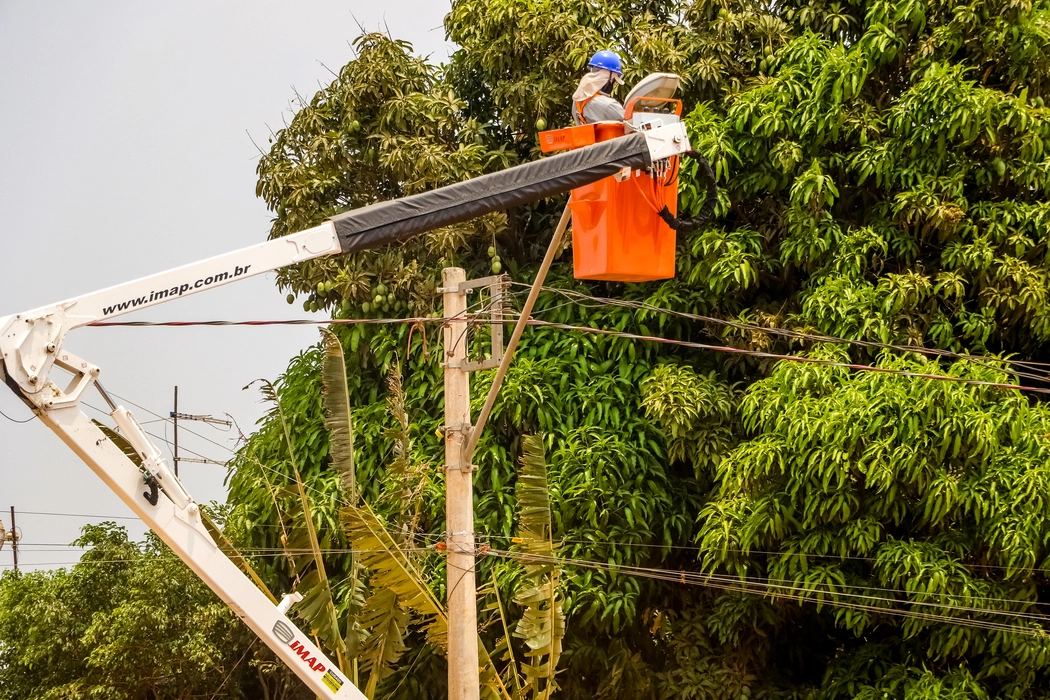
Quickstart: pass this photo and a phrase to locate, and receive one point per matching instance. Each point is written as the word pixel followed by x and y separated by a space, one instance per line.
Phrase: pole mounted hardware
pixel 8 536
pixel 200 419
pixel 496 285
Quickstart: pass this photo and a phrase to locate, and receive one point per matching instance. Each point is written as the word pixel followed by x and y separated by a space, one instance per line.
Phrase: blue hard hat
pixel 608 60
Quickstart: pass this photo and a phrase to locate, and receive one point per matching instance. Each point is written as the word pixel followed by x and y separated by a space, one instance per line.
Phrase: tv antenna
pixel 11 536
pixel 175 418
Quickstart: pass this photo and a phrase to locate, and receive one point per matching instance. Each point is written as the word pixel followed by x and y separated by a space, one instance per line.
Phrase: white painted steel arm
pixel 32 344
pixel 200 276
pixel 182 530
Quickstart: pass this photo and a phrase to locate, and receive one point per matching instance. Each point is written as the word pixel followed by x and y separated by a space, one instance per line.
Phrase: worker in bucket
pixel 593 101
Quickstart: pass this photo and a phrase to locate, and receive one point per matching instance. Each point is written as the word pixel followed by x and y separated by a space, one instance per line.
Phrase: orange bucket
pixel 617 234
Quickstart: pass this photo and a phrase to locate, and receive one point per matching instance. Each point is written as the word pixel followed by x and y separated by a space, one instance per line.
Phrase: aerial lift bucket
pixel 617 232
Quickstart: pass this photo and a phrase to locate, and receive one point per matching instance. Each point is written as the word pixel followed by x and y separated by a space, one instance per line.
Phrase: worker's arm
pixel 603 108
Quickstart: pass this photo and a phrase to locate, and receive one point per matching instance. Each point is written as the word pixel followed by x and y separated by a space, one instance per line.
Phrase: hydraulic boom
pixel 32 344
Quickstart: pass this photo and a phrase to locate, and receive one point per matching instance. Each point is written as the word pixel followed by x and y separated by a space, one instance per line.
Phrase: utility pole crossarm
pixel 200 419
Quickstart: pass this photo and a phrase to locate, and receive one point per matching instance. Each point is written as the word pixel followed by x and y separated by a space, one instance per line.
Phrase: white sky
pixel 124 150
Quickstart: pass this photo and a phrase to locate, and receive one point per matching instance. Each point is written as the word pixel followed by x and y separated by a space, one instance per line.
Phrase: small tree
pixel 128 621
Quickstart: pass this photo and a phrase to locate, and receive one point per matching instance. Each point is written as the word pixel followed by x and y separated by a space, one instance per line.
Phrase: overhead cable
pixel 801 594
pixel 15 420
pixel 79 515
pixel 657 339
pixel 785 332
pixel 787 358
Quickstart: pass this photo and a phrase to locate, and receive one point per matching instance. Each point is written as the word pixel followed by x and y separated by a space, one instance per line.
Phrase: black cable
pixel 708 177
pixel 985 360
pixel 14 420
pixel 80 515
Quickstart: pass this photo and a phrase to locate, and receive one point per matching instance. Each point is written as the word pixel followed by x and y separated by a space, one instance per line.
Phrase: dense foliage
pixel 129 622
pixel 883 178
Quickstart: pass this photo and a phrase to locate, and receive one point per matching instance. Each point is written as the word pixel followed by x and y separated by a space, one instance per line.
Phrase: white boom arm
pixel 32 343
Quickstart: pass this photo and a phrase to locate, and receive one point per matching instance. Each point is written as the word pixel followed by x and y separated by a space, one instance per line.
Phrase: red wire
pixel 642 192
pixel 602 331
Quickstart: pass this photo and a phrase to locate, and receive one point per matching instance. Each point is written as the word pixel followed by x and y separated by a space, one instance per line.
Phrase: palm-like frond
pixel 408 480
pixel 400 596
pixel 534 507
pixel 317 606
pixel 542 626
pixel 400 434
pixel 340 426
pixel 387 623
pixel 393 570
pixel 337 412
pixel 399 592
pixel 504 644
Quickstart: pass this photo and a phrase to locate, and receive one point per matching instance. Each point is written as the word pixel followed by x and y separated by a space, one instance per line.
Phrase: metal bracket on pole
pixel 496 285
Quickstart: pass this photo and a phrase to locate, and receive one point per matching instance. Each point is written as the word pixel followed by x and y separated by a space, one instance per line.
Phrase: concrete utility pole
pixel 463 672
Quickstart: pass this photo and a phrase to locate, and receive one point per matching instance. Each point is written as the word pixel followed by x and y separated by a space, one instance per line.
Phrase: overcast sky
pixel 125 150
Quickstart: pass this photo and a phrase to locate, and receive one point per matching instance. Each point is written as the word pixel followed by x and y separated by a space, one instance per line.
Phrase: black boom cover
pixel 388 222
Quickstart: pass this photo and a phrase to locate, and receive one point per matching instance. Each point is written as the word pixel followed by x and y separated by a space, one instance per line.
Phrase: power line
pixel 605 301
pixel 801 594
pixel 675 575
pixel 489 536
pixel 111 517
pixel 292 322
pixel 668 574
pixel 147 559
pixel 79 515
pixel 771 553
pixel 788 358
pixel 15 420
pixel 682 343
pixel 786 332
pixel 752 586
pixel 269 322
pixel 508 538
